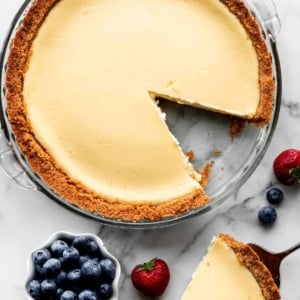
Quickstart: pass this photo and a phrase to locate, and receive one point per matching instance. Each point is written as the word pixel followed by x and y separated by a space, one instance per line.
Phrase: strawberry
pixel 286 167
pixel 152 277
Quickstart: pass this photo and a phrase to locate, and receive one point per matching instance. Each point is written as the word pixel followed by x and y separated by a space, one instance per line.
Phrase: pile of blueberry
pixel 72 269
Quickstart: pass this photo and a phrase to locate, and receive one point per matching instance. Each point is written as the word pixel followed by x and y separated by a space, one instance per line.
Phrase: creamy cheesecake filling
pixel 93 67
pixel 222 276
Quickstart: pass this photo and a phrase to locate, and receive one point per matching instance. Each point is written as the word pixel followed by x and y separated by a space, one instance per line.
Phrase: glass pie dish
pixel 196 130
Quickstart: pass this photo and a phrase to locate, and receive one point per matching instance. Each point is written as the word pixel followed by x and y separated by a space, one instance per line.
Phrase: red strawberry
pixel 286 167
pixel 152 277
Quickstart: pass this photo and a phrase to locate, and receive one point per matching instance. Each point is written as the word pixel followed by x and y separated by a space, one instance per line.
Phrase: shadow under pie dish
pixel 81 82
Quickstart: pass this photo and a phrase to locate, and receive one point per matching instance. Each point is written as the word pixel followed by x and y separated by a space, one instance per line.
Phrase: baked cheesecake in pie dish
pixel 231 271
pixel 82 82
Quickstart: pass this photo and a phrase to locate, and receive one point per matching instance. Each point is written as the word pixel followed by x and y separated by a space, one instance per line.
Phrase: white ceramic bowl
pixel 67 235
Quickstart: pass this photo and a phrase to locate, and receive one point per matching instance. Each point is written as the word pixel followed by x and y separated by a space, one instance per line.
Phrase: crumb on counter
pixel 190 154
pixel 218 152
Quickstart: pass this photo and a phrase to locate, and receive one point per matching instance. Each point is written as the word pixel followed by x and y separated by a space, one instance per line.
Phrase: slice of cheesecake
pixel 231 271
pixel 81 80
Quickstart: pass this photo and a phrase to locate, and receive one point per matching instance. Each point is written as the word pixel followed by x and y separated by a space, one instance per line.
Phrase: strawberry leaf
pixel 148 266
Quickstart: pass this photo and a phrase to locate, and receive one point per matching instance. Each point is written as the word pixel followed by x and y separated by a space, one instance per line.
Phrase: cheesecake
pixel 231 270
pixel 83 79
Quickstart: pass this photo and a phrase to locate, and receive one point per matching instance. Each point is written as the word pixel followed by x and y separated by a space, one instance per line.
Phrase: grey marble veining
pixel 28 218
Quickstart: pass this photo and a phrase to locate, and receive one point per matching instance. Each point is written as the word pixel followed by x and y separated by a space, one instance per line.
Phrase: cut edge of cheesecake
pixel 71 190
pixel 248 258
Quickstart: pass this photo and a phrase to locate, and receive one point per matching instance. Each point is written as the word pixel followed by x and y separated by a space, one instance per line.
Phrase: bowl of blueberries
pixel 72 267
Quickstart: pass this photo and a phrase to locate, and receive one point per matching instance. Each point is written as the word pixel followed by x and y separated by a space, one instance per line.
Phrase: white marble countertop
pixel 28 218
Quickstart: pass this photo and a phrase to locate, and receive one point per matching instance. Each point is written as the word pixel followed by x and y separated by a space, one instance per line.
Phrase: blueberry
pixel 105 291
pixel 274 196
pixel 52 267
pixel 61 278
pixel 40 272
pixel 93 248
pixel 108 270
pixel 68 295
pixel 87 295
pixel 34 289
pixel 70 257
pixel 57 247
pixel 48 287
pixel 59 292
pixel 74 277
pixel 83 259
pixel 91 271
pixel 267 215
pixel 40 256
pixel 86 245
pixel 81 243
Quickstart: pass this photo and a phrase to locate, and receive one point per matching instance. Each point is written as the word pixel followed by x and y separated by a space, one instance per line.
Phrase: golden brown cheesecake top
pixel 88 123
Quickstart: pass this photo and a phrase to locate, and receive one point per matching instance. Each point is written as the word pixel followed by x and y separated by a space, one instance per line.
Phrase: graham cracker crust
pixel 249 258
pixel 266 81
pixel 71 190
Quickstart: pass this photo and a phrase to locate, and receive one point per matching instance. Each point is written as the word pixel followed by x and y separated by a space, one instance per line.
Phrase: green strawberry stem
pixel 148 266
pixel 294 175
